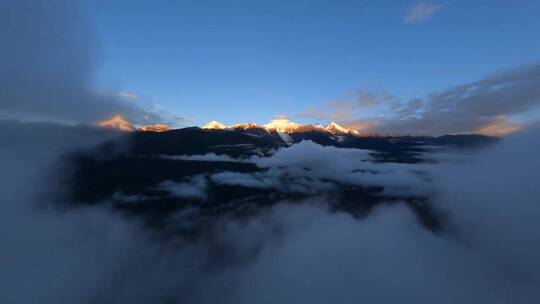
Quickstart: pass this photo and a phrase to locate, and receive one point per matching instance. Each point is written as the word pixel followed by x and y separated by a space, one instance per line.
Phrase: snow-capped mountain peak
pixel 215 125
pixel 335 128
pixel 283 126
pixel 117 122
pixel 245 126
pixel 332 126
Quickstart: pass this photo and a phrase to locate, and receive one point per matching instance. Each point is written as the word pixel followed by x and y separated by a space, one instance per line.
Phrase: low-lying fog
pixel 487 251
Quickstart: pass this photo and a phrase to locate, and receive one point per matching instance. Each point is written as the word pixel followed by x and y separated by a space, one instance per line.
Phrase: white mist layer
pixel 291 254
pixel 308 167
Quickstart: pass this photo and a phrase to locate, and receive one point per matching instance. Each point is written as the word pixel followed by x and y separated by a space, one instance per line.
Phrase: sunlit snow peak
pixel 283 126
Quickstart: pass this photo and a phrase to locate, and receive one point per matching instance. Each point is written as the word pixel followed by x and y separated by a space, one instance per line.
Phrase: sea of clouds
pixel 51 252
pixel 486 252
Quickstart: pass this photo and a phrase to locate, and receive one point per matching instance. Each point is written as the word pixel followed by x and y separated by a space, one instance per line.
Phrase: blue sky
pixel 238 61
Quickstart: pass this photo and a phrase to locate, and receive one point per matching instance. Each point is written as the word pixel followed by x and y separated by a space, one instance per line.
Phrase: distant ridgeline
pixel 183 180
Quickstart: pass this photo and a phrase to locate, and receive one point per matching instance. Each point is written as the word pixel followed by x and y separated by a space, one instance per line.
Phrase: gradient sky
pixel 238 61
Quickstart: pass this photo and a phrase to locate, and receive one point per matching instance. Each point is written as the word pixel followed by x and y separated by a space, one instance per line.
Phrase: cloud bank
pixel 421 12
pixel 47 66
pixel 487 252
pixel 192 188
pixel 486 106
pixel 310 168
pixel 54 252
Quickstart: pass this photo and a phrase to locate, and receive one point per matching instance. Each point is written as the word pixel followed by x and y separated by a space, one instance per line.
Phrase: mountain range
pixel 206 174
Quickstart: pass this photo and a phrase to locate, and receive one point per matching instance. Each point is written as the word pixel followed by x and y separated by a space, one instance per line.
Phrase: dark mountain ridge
pixel 129 177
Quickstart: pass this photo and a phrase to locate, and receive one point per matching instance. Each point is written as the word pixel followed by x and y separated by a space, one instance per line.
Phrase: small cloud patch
pixel 421 12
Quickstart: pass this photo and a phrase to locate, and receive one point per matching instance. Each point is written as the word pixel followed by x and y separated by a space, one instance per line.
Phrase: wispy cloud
pixel 421 12
pixel 129 96
pixel 485 106
pixel 347 108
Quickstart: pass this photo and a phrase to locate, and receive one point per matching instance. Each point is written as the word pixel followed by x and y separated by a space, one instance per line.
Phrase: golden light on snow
pixel 283 125
pixel 500 127
pixel 118 122
pixel 154 128
pixel 214 125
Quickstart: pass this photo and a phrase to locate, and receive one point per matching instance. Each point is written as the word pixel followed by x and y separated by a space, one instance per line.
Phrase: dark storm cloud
pixel 48 58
